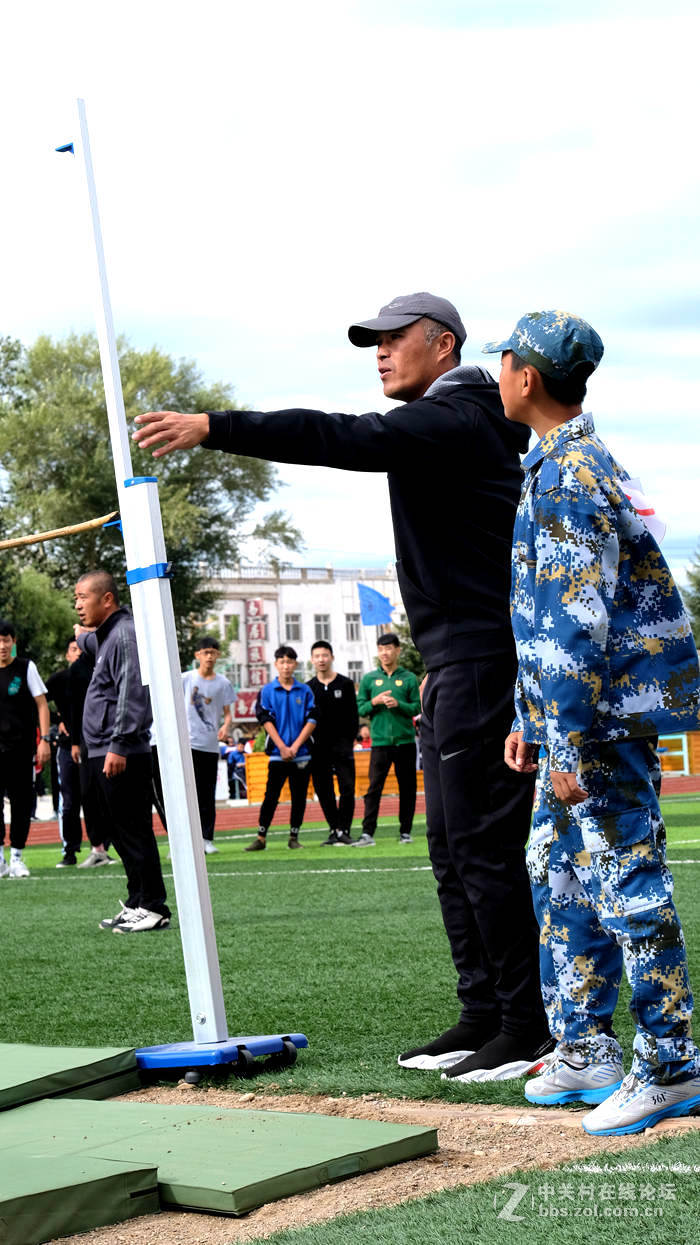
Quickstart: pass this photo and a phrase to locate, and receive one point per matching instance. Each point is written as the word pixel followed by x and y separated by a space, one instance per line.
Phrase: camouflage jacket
pixel 605 649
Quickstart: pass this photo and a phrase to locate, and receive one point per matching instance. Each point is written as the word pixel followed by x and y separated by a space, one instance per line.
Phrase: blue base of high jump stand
pixel 240 1052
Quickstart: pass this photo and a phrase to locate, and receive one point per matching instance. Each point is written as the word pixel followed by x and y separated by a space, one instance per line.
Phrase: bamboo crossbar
pixel 58 531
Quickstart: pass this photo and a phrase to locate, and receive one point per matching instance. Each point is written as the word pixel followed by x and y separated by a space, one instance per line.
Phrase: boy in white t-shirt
pixel 208 698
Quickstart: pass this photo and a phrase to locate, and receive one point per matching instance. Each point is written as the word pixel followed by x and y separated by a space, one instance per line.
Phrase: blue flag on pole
pixel 374 607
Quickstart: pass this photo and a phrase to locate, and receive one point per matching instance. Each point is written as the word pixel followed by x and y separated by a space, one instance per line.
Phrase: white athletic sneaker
pixel 124 914
pixel 18 869
pixel 140 921
pixel 637 1105
pixel 4 868
pixel 209 848
pixel 405 838
pixel 96 858
pixel 572 1080
pixel 365 840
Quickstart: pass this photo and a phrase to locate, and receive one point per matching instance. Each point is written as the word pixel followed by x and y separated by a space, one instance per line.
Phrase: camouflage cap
pixel 552 341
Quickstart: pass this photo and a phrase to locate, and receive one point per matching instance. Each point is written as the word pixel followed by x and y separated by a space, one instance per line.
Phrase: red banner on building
pixel 244 705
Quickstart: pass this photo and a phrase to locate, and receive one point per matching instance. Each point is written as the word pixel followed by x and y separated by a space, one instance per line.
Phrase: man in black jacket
pixel 337 722
pixel 58 689
pixel 454 480
pixel 117 731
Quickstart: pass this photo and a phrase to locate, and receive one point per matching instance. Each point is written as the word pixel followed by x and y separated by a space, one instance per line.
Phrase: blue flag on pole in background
pixel 374 607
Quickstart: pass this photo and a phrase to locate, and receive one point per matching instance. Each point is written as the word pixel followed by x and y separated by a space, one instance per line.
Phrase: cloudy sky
pixel 269 173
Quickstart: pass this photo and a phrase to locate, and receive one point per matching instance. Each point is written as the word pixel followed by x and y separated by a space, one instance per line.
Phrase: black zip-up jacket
pixel 454 473
pixel 337 720
pixel 117 710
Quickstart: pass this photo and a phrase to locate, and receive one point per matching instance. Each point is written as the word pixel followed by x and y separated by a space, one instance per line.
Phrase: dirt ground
pixel 476 1143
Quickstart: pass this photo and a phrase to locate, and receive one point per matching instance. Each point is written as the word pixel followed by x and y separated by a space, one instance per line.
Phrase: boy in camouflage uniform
pixel 606 663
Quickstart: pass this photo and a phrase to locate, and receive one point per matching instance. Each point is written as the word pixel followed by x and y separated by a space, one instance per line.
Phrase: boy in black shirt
pixel 22 701
pixel 334 737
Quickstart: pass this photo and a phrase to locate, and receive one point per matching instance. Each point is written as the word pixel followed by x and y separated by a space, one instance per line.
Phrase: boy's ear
pixel 531 382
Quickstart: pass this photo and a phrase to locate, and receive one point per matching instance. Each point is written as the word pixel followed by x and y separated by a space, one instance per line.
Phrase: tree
pixel 57 467
pixel 691 595
pixel 44 619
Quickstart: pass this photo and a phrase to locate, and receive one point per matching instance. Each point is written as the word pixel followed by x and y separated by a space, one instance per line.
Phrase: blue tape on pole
pixel 159 570
pixel 140 480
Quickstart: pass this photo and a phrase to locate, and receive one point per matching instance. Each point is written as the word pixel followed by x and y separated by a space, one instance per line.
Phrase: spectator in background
pixel 234 756
pixel 286 710
pixel 390 698
pixel 208 698
pixel 363 739
pixel 336 727
pixel 22 702
pixel 69 822
pixel 79 676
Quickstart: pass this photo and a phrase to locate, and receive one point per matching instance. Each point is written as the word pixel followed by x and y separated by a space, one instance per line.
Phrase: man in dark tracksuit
pixel 116 728
pixel 337 722
pixel 454 480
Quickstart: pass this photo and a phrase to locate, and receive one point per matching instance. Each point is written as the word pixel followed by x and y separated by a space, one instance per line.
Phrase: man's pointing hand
pixel 170 430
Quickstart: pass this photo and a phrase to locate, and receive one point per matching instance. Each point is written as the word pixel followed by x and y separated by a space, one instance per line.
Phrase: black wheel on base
pixel 245 1064
pixel 192 1076
pixel 289 1053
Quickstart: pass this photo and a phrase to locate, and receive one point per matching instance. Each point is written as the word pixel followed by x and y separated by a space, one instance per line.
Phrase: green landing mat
pixel 29 1073
pixel 41 1199
pixel 211 1158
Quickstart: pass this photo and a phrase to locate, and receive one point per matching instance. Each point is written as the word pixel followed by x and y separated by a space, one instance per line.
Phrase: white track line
pixel 259 873
pixel 118 876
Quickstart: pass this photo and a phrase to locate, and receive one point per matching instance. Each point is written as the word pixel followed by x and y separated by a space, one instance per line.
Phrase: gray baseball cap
pixel 404 310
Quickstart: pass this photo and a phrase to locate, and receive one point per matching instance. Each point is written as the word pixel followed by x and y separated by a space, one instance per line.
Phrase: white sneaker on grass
pixel 98 856
pixel 637 1105
pixel 124 914
pixel 141 921
pixel 209 848
pixel 572 1080
pixel 18 869
pixel 365 840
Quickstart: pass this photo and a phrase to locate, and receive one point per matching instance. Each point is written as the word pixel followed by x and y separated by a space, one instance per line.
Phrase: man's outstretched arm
pixel 422 430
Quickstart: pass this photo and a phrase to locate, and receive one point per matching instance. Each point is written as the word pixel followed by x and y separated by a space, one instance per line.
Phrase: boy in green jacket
pixel 389 697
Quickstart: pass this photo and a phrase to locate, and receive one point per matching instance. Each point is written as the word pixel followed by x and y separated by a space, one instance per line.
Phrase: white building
pixel 261 607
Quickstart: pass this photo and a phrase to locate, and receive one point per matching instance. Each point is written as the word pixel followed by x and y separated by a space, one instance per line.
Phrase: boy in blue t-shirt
pixel 287 713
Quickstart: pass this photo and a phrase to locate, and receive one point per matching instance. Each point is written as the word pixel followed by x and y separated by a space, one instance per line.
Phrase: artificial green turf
pixel 343 944
pixel 650 1194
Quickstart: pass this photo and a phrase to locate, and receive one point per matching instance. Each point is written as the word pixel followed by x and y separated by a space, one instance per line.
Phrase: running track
pixel 244 817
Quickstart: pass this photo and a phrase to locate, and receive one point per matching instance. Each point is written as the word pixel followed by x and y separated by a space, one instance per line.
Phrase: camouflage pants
pixel 602 894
